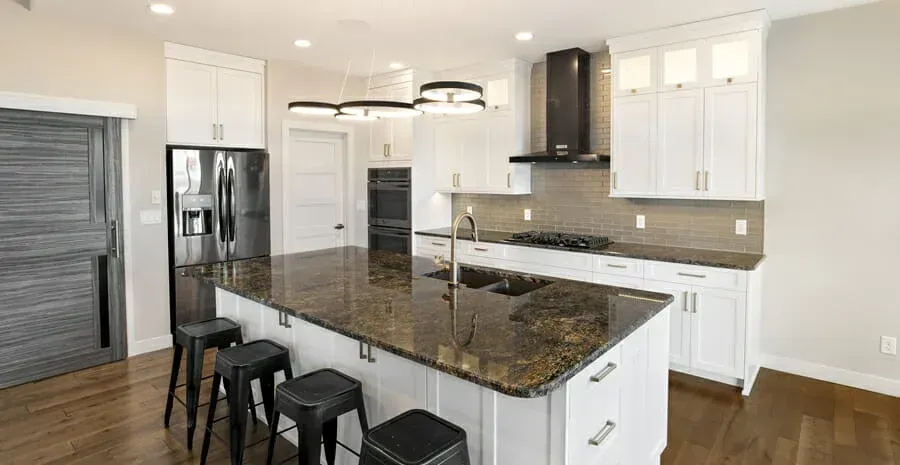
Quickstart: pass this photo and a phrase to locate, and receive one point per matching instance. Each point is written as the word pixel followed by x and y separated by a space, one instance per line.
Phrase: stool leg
pixel 329 436
pixel 273 433
pixel 311 445
pixel 194 378
pixel 210 417
pixel 173 381
pixel 361 411
pixel 237 416
pixel 238 341
pixel 267 385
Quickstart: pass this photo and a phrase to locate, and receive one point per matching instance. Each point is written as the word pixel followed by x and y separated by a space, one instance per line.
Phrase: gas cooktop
pixel 572 241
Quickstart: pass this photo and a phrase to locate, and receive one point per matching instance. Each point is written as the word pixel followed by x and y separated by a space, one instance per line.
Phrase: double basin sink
pixel 512 286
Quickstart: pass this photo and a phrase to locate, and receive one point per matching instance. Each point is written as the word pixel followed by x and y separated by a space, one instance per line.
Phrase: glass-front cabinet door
pixel 682 66
pixel 635 72
pixel 734 58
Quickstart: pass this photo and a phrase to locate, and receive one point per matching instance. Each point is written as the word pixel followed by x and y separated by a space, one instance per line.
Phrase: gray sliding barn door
pixel 61 277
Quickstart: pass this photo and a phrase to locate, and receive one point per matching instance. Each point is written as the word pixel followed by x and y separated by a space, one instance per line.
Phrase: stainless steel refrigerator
pixel 218 202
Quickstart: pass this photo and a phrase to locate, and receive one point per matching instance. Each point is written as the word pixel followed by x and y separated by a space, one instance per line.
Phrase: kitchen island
pixel 565 373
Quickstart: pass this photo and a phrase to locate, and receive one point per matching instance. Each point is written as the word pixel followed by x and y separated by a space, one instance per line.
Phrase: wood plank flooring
pixel 113 414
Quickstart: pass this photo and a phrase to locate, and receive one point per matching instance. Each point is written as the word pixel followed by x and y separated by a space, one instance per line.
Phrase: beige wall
pixel 833 207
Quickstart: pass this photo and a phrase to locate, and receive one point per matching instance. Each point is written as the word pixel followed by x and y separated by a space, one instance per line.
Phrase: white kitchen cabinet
pixel 706 139
pixel 680 320
pixel 391 139
pixel 635 72
pixel 731 160
pixel 214 99
pixel 191 103
pixel 634 121
pixel 718 328
pixel 680 157
pixel 379 130
pixel 447 152
pixel 473 172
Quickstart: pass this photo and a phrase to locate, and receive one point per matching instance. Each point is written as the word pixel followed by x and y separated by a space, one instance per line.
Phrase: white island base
pixel 623 393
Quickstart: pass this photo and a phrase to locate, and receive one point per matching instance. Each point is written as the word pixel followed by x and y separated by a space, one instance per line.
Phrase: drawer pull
pixel 611 367
pixel 691 275
pixel 621 267
pixel 438 244
pixel 479 249
pixel 685 301
pixel 604 433
pixel 362 351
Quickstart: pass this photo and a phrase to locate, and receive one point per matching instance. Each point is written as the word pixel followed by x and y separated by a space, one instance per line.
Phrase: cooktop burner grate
pixel 574 241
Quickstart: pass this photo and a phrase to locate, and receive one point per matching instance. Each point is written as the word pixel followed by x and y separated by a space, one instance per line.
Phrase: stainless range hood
pixel 568 111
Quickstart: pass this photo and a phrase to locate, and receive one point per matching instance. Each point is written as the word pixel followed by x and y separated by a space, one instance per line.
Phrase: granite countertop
pixel 660 253
pixel 524 346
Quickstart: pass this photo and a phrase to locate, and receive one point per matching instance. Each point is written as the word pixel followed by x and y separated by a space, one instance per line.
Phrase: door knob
pixel 339 226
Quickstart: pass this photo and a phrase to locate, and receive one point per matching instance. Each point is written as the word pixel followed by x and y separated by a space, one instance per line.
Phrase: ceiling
pixel 428 34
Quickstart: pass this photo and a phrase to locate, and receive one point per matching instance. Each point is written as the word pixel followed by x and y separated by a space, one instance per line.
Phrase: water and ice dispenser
pixel 196 215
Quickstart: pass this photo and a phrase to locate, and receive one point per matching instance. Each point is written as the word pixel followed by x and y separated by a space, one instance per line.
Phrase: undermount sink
pixel 491 282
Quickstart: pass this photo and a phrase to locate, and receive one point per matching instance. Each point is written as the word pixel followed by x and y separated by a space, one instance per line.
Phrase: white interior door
pixel 314 191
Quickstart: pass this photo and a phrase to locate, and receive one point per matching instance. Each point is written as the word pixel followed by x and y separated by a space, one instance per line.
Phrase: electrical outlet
pixel 740 227
pixel 469 209
pixel 527 214
pixel 641 222
pixel 155 197
pixel 888 345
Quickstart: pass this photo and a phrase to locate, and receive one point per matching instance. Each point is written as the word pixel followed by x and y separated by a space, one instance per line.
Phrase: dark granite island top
pixel 524 346
pixel 660 253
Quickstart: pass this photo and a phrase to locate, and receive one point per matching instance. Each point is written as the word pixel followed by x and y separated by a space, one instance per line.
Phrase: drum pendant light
pixel 448 108
pixel 313 108
pixel 451 91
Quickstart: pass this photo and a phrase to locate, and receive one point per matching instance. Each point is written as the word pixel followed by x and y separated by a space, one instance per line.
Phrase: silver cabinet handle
pixel 508 180
pixel 610 367
pixel 390 150
pixel 621 267
pixel 699 182
pixel 479 249
pixel 215 132
pixel 280 319
pixel 370 357
pixel 438 244
pixel 706 180
pixel 691 275
pixel 362 352
pixel 685 301
pixel 615 180
pixel 604 433
pixel 458 179
pixel 221 132
pixel 694 306
pixel 287 321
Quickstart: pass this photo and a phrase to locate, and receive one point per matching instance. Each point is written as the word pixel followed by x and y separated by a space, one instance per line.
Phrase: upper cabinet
pixel 472 151
pixel 701 137
pixel 214 99
pixel 391 140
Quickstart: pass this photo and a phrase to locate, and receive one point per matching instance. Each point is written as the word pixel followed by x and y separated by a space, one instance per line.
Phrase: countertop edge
pixel 620 255
pixel 525 392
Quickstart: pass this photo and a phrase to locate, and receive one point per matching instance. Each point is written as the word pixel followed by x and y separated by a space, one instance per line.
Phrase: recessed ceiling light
pixel 302 43
pixel 162 8
pixel 396 65
pixel 524 36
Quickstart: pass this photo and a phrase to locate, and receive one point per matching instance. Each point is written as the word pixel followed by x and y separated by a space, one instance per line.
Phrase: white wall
pixel 833 207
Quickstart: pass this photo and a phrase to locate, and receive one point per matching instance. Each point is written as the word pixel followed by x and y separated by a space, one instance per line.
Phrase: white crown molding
pixel 750 21
pixel 213 58
pixel 74 106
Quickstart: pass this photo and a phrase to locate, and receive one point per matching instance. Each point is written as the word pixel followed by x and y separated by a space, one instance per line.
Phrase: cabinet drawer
pixel 570 260
pixel 697 276
pixel 594 412
pixel 484 250
pixel 619 266
pixel 596 381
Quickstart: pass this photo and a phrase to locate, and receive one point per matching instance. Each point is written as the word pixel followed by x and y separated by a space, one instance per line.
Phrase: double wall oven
pixel 390 209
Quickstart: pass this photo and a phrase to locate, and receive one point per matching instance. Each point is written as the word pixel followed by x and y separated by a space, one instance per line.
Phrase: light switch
pixel 469 209
pixel 155 197
pixel 151 217
pixel 740 227
pixel 527 214
pixel 641 222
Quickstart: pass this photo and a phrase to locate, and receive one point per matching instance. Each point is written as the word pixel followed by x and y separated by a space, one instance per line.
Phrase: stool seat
pixel 316 387
pixel 254 353
pixel 208 327
pixel 416 437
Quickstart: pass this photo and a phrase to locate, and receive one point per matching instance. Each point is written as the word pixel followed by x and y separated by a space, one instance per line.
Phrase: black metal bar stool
pixel 196 338
pixel 415 438
pixel 237 366
pixel 315 401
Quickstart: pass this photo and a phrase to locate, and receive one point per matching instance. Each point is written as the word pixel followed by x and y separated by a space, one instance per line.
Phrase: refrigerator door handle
pixel 220 203
pixel 232 207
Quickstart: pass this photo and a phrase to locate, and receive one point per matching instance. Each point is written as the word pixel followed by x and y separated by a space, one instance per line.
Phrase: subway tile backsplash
pixel 575 199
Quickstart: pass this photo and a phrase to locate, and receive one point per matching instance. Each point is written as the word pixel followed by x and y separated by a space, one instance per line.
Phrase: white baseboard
pixel 149 345
pixel 850 378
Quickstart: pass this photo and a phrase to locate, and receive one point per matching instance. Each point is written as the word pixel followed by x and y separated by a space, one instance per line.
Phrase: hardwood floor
pixel 113 414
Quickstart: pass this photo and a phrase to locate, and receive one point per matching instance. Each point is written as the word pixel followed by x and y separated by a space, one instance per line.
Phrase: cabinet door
pixel 240 108
pixel 658 332
pixel 380 130
pixel 680 156
pixel 401 142
pixel 730 158
pixel 635 384
pixel 496 94
pixel 401 386
pixel 679 320
pixel 718 331
pixel 682 65
pixel 501 140
pixel 447 148
pixel 275 329
pixel 191 100
pixel 314 346
pixel 473 164
pixel 734 58
pixel 635 72
pixel 347 360
pixel 634 146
